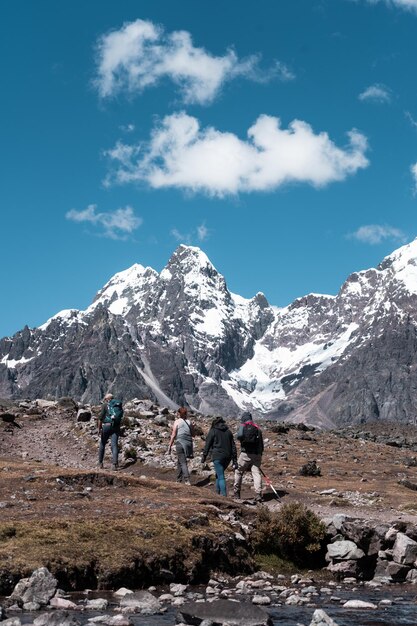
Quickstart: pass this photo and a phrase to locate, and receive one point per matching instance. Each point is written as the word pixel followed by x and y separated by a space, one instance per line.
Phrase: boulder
pixel 404 550
pixel 56 618
pixel 62 603
pixel 224 612
pixel 359 604
pixel 12 621
pixel 36 591
pixel 111 620
pixel 320 618
pixel 397 572
pixel 97 604
pixel 141 602
pixel 344 551
pixel 83 415
pixel 344 569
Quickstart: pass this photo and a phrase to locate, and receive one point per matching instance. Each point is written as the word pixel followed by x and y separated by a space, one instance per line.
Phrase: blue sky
pixel 280 137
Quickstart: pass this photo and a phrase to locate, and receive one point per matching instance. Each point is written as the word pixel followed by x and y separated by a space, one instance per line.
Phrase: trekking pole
pixel 268 482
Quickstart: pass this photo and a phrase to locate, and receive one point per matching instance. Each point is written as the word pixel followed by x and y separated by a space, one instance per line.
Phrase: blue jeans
pixel 107 433
pixel 219 467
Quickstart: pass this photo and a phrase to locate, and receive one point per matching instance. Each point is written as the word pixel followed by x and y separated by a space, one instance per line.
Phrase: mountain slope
pixel 180 336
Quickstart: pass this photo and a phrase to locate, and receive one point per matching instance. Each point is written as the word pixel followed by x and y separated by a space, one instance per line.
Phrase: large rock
pixel 404 550
pixel 320 618
pixel 141 602
pixel 56 618
pixel 344 551
pixel 36 591
pixel 224 612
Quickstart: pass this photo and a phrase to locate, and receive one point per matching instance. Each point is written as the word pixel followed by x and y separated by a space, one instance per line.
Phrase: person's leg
pixel 221 481
pixel 182 468
pixel 256 474
pixel 115 449
pixel 104 437
pixel 243 464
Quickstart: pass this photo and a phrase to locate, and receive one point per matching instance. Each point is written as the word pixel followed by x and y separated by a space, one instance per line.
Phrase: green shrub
pixel 130 453
pixel 293 533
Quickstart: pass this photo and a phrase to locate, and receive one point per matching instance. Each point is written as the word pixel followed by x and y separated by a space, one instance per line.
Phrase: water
pixel 403 611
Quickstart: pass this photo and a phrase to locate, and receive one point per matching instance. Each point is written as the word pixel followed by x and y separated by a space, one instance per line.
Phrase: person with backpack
pixel 222 446
pixel 250 458
pixel 109 423
pixel 182 435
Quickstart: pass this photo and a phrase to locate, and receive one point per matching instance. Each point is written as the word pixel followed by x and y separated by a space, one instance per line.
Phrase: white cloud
pixel 376 93
pixel 141 54
pixel 183 155
pixel 201 233
pixel 413 170
pixel 115 224
pixel 403 4
pixel 377 233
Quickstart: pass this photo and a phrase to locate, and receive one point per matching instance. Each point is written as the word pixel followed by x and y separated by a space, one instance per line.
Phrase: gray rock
pixel 344 550
pixel 142 602
pixel 359 604
pixel 36 590
pixel 56 618
pixel 412 576
pixel 97 604
pixel 62 603
pixel 12 621
pixel 320 618
pixel 404 550
pixel 224 612
pixel 111 620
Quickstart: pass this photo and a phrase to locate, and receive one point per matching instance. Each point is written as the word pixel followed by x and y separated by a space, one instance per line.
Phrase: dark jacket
pixel 221 443
pixel 251 448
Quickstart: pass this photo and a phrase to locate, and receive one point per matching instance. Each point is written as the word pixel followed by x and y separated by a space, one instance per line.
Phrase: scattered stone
pixel 404 550
pixel 359 604
pixel 261 600
pixel 320 618
pixel 142 602
pixel 177 589
pixel 97 604
pixel 224 612
pixel 122 592
pixel 344 550
pixel 62 603
pixel 58 618
pixel 83 415
pixel 12 621
pixel 111 620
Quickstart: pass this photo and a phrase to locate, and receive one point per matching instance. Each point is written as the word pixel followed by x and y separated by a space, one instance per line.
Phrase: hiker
pixel 250 458
pixel 182 435
pixel 222 446
pixel 109 422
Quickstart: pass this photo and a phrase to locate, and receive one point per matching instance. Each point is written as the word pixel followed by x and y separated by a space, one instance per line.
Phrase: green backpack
pixel 114 413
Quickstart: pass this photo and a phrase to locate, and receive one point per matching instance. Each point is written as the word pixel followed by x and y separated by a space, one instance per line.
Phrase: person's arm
pixel 101 417
pixel 239 433
pixel 173 435
pixel 209 445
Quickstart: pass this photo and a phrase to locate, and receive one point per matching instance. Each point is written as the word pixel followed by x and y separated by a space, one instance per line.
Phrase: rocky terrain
pixel 181 337
pixel 137 528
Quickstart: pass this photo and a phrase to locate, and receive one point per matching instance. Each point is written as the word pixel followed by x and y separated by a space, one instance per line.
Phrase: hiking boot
pixel 236 494
pixel 259 499
pixel 187 482
pixel 100 465
pixel 114 467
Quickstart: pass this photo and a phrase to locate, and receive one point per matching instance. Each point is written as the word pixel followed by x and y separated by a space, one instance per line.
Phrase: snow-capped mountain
pixel 180 336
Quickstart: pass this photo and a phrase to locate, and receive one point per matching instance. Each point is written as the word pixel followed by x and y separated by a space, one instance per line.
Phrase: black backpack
pixel 250 433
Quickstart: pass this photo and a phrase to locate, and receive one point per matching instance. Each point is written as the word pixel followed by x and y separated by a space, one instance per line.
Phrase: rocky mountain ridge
pixel 180 336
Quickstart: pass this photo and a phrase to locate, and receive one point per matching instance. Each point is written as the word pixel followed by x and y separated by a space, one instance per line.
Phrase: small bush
pixel 130 453
pixel 293 533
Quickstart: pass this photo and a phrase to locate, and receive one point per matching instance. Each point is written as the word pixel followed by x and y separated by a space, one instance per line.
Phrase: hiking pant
pixel 219 466
pixel 182 467
pixel 245 463
pixel 107 432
